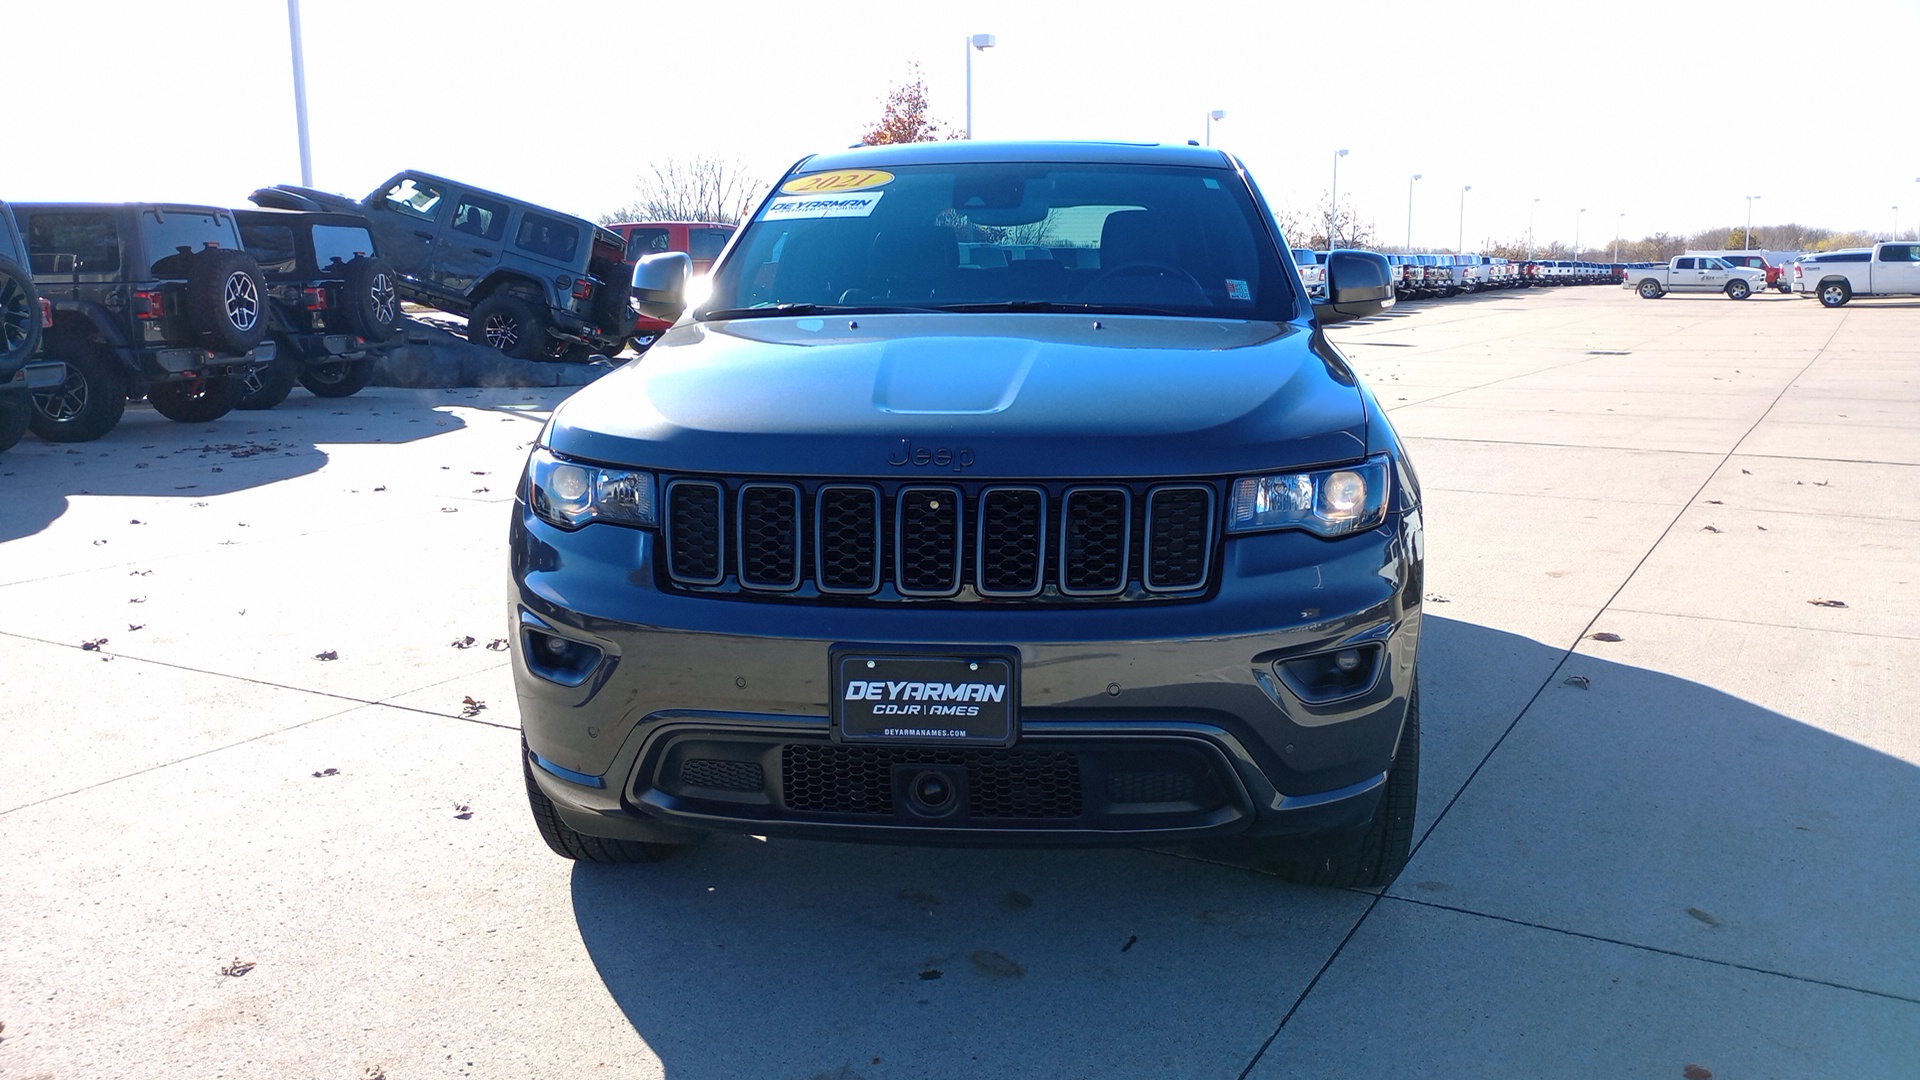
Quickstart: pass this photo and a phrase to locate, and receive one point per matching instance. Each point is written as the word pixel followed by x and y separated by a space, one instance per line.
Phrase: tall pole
pixel 1212 115
pixel 1409 248
pixel 1333 212
pixel 1748 244
pixel 1576 234
pixel 1460 245
pixel 1896 223
pixel 1530 211
pixel 1616 235
pixel 981 42
pixel 300 92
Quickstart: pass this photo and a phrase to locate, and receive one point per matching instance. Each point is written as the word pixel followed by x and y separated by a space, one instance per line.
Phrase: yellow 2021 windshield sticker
pixel 830 183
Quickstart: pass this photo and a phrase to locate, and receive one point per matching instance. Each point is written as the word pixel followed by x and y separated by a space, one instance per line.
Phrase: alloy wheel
pixel 242 301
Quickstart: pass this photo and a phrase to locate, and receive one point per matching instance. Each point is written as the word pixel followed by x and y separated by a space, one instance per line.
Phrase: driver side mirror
pixel 660 284
pixel 1359 285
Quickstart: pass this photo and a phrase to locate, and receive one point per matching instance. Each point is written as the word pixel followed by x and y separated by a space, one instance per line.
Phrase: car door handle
pixel 423 235
pixel 482 251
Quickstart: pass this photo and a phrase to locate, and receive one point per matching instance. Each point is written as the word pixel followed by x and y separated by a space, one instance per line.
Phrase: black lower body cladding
pixel 1269 706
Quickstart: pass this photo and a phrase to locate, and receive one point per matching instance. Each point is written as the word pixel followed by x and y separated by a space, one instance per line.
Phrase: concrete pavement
pixel 1691 848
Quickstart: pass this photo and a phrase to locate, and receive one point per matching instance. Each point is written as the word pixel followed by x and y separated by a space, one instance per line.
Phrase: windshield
pixel 1009 236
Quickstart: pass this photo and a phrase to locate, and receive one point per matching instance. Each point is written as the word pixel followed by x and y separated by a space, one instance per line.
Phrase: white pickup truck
pixel 1695 273
pixel 1886 269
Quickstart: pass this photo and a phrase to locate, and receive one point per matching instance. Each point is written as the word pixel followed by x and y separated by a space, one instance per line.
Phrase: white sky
pixel 1621 108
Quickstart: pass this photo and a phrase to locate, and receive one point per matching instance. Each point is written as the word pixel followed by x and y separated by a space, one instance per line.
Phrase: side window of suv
pixel 646 242
pixel 272 245
pixel 71 243
pixel 479 217
pixel 706 243
pixel 414 199
pixel 551 237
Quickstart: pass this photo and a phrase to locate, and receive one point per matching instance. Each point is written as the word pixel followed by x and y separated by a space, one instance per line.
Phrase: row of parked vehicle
pixel 1419 276
pixel 201 309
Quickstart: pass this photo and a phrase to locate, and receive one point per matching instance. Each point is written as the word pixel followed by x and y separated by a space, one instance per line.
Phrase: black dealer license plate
pixel 927 699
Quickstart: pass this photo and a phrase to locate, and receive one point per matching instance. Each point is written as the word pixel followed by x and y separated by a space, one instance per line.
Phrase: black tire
pixel 1650 290
pixel 1738 289
pixel 89 403
pixel 342 378
pixel 15 409
pixel 198 400
pixel 613 304
pixel 371 297
pixel 226 299
pixel 505 322
pixel 19 313
pixel 1381 852
pixel 579 846
pixel 265 386
pixel 1835 293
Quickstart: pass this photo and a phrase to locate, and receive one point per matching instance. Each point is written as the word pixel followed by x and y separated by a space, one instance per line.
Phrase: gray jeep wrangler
pixel 534 283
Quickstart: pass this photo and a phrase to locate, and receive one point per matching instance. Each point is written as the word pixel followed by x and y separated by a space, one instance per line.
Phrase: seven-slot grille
pixel 1001 541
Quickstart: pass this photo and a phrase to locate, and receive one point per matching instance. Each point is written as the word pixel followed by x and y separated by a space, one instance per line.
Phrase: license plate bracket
pixel 925 697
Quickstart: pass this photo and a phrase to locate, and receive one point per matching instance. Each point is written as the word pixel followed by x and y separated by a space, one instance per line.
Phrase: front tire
pixel 196 401
pixel 1650 290
pixel 1738 290
pixel 1835 294
pixel 19 312
pixel 14 412
pixel 89 403
pixel 578 846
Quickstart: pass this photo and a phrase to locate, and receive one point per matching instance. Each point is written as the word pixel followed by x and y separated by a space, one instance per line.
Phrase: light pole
pixel 300 92
pixel 1460 245
pixel 1616 235
pixel 980 42
pixel 1530 211
pixel 1216 114
pixel 1576 234
pixel 1896 223
pixel 1333 212
pixel 1748 245
pixel 1416 176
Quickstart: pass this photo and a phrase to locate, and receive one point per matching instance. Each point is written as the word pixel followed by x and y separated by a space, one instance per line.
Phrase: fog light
pixel 558 659
pixel 1330 676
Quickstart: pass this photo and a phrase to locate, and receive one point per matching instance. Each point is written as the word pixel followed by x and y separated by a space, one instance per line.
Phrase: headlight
pixel 571 494
pixel 1326 502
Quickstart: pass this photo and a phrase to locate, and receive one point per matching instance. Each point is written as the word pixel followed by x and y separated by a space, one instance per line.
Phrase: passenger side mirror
pixel 660 284
pixel 1359 285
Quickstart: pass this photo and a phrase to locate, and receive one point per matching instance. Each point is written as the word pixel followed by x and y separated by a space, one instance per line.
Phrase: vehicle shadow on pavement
pixel 1656 814
pixel 148 455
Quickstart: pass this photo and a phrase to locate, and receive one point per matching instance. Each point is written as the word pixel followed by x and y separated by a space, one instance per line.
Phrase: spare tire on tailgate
pixel 225 299
pixel 19 315
pixel 372 298
pixel 613 303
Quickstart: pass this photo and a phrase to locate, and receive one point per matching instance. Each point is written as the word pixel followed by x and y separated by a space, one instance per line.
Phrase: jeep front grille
pixel 991 541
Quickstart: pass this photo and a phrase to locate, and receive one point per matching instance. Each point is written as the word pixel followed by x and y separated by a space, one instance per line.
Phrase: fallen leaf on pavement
pixel 330 654
pixel 1828 603
pixel 498 644
pixel 463 642
pixel 1436 598
pixel 132 626
pixel 1576 680
pixel 1606 635
pixel 930 974
pixel 1710 528
pixel 470 707
pixel 1132 939
pixel 328 772
pixel 93 644
pixel 1703 916
pixel 138 600
pixel 449 509
pixel 1715 502
pixel 1696 1072
pixel 462 811
pixel 382 487
pixel 237 968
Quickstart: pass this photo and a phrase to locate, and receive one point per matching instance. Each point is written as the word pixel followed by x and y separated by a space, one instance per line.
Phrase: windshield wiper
pixel 1062 307
pixel 784 310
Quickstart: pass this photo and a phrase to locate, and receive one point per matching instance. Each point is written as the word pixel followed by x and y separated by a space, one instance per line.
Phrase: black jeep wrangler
pixel 534 283
pixel 333 303
pixel 23 314
pixel 148 298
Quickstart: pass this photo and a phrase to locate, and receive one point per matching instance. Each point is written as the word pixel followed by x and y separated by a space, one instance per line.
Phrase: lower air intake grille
pixel 1150 787
pixel 1000 783
pixel 723 775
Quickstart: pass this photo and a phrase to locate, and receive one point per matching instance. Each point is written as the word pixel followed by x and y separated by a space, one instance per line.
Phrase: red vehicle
pixel 702 240
pixel 1754 261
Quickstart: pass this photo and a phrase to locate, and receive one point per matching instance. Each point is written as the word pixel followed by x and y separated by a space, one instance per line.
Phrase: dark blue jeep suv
pixel 990 494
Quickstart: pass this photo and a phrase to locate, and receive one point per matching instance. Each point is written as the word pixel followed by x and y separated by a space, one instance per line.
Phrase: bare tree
pixel 904 117
pixel 702 188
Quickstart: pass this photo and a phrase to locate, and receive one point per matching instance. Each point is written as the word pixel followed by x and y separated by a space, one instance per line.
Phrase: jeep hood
pixel 984 396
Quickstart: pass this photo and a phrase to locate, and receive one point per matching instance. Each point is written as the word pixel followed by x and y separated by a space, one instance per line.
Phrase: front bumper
pixel 1139 722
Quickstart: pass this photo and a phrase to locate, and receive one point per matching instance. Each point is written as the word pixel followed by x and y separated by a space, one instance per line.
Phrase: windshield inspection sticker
pixel 829 183
pixel 792 207
pixel 1237 290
